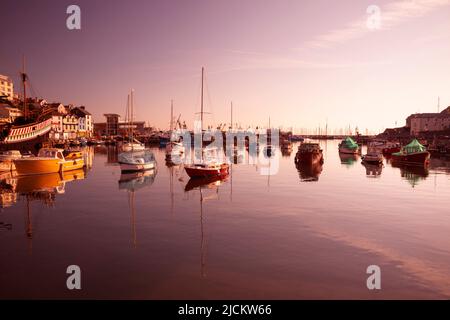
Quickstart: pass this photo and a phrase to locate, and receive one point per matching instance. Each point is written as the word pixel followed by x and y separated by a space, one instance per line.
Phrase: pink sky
pixel 300 62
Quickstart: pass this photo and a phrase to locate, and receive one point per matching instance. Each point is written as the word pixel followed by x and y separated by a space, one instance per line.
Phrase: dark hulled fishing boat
pixel 413 153
pixel 349 146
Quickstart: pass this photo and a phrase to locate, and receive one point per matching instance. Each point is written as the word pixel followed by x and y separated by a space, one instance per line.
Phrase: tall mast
pixel 171 116
pixel 201 105
pixel 24 81
pixel 131 118
pixel 127 117
pixel 231 115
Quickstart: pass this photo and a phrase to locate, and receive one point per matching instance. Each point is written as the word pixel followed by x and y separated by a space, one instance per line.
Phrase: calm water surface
pixel 302 233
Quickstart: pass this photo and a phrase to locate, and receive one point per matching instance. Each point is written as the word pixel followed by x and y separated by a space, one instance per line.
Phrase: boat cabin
pixel 53 153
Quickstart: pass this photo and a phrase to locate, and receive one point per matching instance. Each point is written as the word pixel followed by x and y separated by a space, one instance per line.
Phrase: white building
pixel 71 123
pixel 6 87
pixel 85 124
pixel 59 113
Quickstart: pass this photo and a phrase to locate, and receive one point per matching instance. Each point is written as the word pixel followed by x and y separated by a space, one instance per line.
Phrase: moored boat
pixel 413 153
pixel 309 152
pixel 205 170
pixel 348 146
pixel 390 147
pixel 133 145
pixel 73 160
pixel 48 160
pixel 136 157
pixel 136 161
pixel 206 167
pixel 373 156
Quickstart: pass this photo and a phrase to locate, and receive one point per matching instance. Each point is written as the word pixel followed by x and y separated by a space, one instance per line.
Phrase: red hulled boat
pixel 205 169
pixel 413 153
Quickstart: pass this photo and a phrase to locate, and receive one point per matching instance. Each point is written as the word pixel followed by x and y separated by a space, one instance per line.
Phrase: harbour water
pixel 299 234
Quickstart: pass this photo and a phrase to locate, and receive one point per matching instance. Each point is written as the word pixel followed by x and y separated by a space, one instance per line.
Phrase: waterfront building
pixel 138 127
pixel 70 127
pixel 9 113
pixel 58 114
pixel 112 124
pixel 428 122
pixel 70 122
pixel 6 87
pixel 85 124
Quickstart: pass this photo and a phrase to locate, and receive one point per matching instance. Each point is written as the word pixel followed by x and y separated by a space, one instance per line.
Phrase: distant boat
pixel 203 168
pixel 132 144
pixel 309 153
pixel 373 156
pixel 385 147
pixel 174 149
pixel 348 146
pixel 136 157
pixel 413 153
pixel 391 147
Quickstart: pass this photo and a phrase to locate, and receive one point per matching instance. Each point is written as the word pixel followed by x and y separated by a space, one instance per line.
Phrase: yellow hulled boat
pixel 49 160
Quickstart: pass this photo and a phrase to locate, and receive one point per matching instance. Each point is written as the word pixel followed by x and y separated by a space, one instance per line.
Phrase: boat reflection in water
pixel 205 184
pixel 40 187
pixel 348 159
pixel 309 172
pixel 413 174
pixel 132 182
pixel 373 170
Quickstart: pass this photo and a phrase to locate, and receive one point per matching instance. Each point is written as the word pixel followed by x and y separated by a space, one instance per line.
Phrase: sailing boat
pixel 138 159
pixel 132 144
pixel 174 149
pixel 206 168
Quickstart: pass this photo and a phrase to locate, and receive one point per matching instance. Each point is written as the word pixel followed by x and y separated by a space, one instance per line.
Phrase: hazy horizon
pixel 301 63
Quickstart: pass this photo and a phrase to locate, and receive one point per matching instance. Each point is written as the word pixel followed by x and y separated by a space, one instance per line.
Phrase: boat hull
pixel 200 172
pixel 75 164
pixel 348 151
pixel 418 158
pixel 31 166
pixel 309 157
